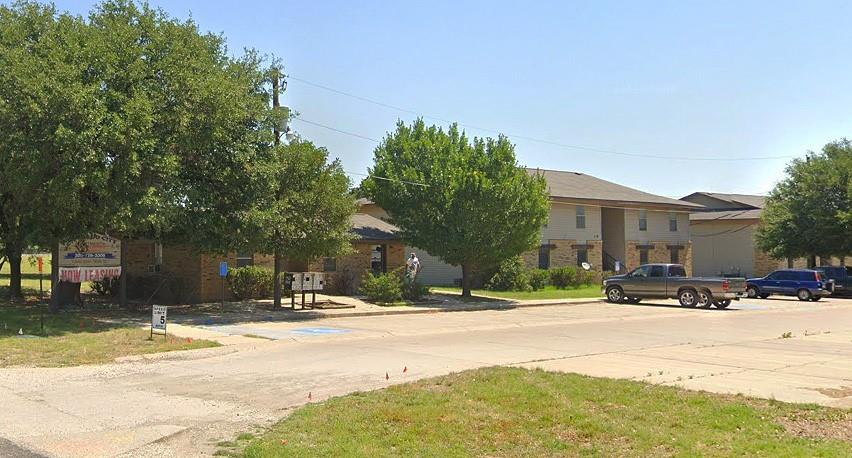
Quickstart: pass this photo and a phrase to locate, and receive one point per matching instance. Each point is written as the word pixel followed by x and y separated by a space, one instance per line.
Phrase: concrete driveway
pixel 180 404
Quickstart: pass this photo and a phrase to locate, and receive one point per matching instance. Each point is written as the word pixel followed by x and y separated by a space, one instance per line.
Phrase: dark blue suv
pixel 806 284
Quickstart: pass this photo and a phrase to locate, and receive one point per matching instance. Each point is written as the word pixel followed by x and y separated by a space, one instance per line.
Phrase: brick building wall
pixel 178 261
pixel 564 253
pixel 351 268
pixel 659 252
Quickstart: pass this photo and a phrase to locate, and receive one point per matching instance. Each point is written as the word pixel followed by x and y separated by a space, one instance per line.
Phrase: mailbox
pixel 318 281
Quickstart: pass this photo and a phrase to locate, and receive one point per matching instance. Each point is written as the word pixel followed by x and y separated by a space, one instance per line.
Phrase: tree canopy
pixel 465 201
pixel 305 213
pixel 137 124
pixel 809 213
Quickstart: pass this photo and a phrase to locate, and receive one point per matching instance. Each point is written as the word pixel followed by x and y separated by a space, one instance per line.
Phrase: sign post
pixel 223 272
pixel 158 319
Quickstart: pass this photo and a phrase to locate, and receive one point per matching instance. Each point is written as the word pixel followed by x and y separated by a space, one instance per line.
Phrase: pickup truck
pixel 670 281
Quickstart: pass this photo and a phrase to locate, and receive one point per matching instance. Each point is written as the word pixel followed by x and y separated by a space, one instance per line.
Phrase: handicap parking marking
pixel 319 331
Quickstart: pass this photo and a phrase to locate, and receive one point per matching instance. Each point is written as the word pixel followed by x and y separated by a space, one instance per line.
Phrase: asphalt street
pixel 181 404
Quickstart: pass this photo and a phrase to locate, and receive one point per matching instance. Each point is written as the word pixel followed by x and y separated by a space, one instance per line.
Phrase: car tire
pixel 687 298
pixel 722 304
pixel 804 294
pixel 753 291
pixel 615 295
pixel 704 299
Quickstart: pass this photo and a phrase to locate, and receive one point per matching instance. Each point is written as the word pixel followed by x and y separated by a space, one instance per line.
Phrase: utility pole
pixel 277 253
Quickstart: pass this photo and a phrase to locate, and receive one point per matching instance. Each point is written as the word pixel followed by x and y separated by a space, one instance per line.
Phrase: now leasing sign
pixel 84 274
pixel 91 259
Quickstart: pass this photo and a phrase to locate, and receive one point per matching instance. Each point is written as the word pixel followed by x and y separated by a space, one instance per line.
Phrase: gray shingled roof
pixel 575 185
pixel 743 199
pixel 726 215
pixel 368 227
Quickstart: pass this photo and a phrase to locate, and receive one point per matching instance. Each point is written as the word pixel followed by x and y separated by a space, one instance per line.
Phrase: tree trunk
pixel 14 256
pixel 122 291
pixel 276 295
pixel 466 280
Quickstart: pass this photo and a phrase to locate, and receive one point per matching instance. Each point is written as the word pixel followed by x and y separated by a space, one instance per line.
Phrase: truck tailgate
pixel 736 285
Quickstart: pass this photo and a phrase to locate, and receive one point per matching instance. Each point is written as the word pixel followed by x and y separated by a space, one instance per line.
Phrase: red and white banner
pixel 83 274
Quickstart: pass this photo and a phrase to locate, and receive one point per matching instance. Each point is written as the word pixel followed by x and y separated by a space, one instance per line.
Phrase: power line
pixel 299 118
pixel 523 137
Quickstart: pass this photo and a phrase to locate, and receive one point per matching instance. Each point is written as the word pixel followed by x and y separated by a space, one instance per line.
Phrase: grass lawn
pixel 516 412
pixel 549 292
pixel 71 339
pixel 29 273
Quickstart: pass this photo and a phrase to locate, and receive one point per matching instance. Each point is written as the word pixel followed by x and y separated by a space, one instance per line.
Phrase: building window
pixel 643 220
pixel 582 256
pixel 675 256
pixel 643 256
pixel 245 259
pixel 329 265
pixel 673 222
pixel 581 217
pixel 544 257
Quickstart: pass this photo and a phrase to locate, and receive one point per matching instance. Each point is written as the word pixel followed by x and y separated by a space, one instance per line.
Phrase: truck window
pixel 677 271
pixel 657 272
pixel 640 272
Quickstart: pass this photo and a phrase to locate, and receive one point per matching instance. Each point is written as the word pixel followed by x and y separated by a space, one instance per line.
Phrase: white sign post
pixel 158 319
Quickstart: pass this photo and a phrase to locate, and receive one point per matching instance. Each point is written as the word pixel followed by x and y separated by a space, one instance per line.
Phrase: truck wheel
pixel 615 295
pixel 803 294
pixel 687 298
pixel 704 299
pixel 722 304
pixel 752 291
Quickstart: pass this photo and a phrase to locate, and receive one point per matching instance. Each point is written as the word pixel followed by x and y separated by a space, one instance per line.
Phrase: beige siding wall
pixel 562 224
pixel 612 232
pixel 725 247
pixel 434 271
pixel 658 227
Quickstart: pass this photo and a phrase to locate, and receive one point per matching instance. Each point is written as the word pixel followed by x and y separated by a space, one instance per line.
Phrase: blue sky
pixel 721 79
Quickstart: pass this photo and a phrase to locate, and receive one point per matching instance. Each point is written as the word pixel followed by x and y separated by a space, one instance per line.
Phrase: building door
pixel 379 259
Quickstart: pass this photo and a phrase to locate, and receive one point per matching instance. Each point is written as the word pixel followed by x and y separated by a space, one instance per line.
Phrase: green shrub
pixel 583 277
pixel 510 276
pixel 563 277
pixel 539 278
pixel 383 288
pixel 251 282
pixel 414 291
pixel 107 286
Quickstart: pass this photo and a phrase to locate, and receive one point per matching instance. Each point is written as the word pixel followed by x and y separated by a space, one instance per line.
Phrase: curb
pixel 397 311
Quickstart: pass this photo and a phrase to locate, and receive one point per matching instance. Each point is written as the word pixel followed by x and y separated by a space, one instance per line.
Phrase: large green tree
pixel 307 209
pixel 128 122
pixel 464 200
pixel 52 174
pixel 808 212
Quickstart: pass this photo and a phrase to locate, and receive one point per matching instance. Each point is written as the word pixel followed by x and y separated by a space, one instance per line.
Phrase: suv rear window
pixel 677 271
